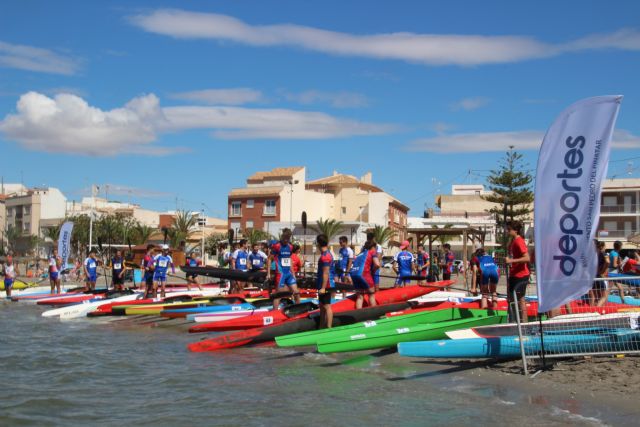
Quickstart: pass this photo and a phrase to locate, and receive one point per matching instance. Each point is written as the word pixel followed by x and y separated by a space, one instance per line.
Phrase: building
pixel 26 211
pixel 276 199
pixel 619 211
pixel 101 206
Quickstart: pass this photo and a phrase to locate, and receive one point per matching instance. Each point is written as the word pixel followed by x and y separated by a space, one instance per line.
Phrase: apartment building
pixel 276 199
pixel 28 210
pixel 619 211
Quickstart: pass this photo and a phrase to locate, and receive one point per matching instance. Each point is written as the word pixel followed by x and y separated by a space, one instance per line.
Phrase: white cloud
pixel 441 127
pixel 36 59
pixel 335 99
pixel 68 124
pixel 431 49
pixel 500 141
pixel 237 96
pixel 469 104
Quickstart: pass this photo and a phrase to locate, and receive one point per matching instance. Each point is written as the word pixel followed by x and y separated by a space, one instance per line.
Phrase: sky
pixel 171 104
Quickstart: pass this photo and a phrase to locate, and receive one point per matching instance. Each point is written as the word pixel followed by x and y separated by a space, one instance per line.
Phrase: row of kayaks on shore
pixel 420 321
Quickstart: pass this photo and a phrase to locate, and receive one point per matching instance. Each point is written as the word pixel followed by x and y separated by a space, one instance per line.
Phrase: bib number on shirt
pixel 242 261
pixel 92 265
pixel 286 262
pixel 162 264
pixel 117 266
pixel 256 262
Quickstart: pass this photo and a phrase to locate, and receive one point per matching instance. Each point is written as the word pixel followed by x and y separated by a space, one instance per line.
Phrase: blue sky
pixel 183 100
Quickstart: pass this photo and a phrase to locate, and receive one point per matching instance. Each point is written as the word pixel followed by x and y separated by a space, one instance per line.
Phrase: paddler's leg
pixel 359 299
pixel 163 281
pixel 295 292
pixel 372 298
pixel 484 290
pixel 326 313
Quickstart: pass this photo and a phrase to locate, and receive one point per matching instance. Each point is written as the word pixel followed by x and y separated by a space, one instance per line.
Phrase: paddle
pixel 304 251
pixel 102 258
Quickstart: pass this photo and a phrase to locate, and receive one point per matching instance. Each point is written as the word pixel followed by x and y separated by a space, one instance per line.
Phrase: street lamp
pixel 291 182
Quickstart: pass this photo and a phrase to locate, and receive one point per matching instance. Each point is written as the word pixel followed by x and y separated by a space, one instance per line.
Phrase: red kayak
pixel 108 308
pixel 274 317
pixel 344 313
pixel 71 299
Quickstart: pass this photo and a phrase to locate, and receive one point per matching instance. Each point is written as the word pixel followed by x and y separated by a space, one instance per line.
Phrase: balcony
pixel 620 209
pixel 614 234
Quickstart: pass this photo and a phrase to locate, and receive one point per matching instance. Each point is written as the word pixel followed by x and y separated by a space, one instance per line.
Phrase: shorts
pixel 376 277
pixel 600 285
pixel 325 298
pixel 490 278
pixel 8 284
pixel 160 277
pixel 519 285
pixel 446 275
pixel 54 275
pixel 361 284
pixel 148 279
pixel 118 280
pixel 92 278
pixel 285 279
pixel 344 276
pixel 401 281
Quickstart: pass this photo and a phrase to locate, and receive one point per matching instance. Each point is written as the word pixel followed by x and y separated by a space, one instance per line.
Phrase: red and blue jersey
pixel 363 266
pixel 282 257
pixel 422 259
pixel 449 258
pixel 192 262
pixel 326 260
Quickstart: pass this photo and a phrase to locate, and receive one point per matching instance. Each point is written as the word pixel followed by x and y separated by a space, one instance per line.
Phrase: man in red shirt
pixel 518 262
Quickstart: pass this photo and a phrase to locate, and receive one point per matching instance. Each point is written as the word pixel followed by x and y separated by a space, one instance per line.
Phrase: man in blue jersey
pixel 325 283
pixel 161 265
pixel 257 258
pixel 489 276
pixel 91 270
pixel 403 265
pixel 345 262
pixel 285 279
pixel 239 260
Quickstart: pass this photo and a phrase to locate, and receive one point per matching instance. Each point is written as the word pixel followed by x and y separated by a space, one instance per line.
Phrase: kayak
pixel 81 309
pixel 627 300
pixel 612 320
pixel 175 313
pixel 257 319
pixel 269 333
pixel 508 347
pixel 259 306
pixel 111 308
pixel 71 299
pixel 156 309
pixel 390 337
pixel 362 329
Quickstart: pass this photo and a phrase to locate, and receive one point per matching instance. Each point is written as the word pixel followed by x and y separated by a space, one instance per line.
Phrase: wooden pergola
pixel 467 232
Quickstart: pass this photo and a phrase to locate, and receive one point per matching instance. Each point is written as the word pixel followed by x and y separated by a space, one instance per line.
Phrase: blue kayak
pixel 508 347
pixel 627 300
pixel 630 282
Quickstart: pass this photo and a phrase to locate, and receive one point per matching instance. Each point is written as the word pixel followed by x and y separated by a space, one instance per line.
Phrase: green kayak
pixel 391 336
pixel 419 318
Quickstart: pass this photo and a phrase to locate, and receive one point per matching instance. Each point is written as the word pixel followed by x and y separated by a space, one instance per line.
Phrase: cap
pixel 404 244
pixel 165 247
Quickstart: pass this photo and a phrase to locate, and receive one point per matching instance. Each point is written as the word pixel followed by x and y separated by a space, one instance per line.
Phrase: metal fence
pixel 603 322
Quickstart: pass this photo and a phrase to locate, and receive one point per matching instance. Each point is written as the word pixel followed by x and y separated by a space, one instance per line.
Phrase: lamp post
pixel 291 182
pixel 202 224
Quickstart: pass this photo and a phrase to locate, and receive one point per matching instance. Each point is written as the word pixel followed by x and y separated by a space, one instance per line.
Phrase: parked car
pixel 387 261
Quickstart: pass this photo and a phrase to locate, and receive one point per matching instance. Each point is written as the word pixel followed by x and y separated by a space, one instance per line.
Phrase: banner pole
pixel 524 356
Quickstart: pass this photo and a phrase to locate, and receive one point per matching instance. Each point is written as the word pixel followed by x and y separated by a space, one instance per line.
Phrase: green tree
pixel 212 241
pixel 382 234
pixel 254 235
pixel 328 227
pixel 141 234
pixel 183 224
pixel 442 238
pixel 13 238
pixel 51 231
pixel 511 185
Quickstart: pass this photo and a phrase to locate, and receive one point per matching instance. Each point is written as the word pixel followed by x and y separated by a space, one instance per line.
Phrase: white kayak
pixel 226 315
pixel 81 309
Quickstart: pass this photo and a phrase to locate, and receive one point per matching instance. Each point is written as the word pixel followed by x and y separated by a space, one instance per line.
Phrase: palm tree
pixel 13 237
pixel 51 231
pixel 328 227
pixel 383 234
pixel 443 238
pixel 142 233
pixel 254 235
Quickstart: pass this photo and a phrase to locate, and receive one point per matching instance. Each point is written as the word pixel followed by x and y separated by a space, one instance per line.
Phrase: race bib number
pixel 256 262
pixel 117 266
pixel 242 261
pixel 267 320
pixel 92 265
pixel 162 263
pixel 286 262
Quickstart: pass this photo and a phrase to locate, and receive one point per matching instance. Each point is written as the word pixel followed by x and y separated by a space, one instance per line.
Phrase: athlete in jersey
pixel 345 261
pixel 257 259
pixel 91 270
pixel 363 271
pixel 325 283
pixel 10 273
pixel 148 265
pixel 55 264
pixel 489 277
pixel 161 265
pixel 239 260
pixel 447 261
pixel 422 263
pixel 117 271
pixel 284 278
pixel 403 265
pixel 192 278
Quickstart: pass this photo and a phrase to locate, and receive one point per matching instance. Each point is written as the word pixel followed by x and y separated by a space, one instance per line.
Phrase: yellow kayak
pixel 155 309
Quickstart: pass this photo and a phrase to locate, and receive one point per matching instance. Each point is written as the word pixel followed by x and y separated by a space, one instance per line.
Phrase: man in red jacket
pixel 518 262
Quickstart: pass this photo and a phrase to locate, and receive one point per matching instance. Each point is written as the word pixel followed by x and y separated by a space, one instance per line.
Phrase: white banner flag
pixel 571 167
pixel 64 242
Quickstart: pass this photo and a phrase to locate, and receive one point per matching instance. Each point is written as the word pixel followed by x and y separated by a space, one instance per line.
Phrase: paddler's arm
pixel 268 266
pixel 325 279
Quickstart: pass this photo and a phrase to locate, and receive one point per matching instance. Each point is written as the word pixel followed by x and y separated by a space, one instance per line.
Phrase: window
pixel 249 225
pixel 477 192
pixel 9 212
pixel 270 207
pixel 236 209
pixel 250 203
pixel 27 226
pixel 344 210
pixel 27 210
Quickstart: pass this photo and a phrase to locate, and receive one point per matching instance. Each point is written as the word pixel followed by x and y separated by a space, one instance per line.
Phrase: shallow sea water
pixel 93 372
